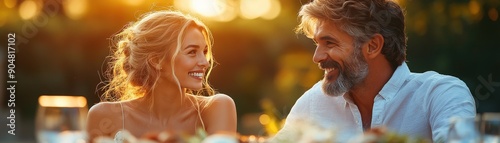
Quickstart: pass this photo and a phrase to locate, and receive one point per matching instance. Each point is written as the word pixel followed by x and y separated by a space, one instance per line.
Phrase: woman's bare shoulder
pixel 105 109
pixel 214 99
pixel 104 119
pixel 219 114
pixel 218 101
pixel 221 98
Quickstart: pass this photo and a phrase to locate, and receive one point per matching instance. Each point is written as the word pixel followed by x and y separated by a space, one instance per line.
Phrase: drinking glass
pixel 490 127
pixel 61 119
pixel 464 130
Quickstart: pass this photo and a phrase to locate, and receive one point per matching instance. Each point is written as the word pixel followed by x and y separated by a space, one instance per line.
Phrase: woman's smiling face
pixel 191 63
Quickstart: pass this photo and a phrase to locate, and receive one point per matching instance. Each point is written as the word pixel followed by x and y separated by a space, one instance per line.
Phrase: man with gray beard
pixel 361 46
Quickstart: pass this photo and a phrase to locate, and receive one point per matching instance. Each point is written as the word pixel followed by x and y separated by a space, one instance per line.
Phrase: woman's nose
pixel 203 62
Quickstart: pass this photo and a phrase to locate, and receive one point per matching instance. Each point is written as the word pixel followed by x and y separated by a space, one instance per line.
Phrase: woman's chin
pixel 197 87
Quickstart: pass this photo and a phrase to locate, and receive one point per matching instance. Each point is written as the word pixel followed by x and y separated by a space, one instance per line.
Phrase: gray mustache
pixel 329 63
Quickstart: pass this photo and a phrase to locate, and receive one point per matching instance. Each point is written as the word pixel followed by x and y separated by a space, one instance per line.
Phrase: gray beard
pixel 353 73
pixel 337 88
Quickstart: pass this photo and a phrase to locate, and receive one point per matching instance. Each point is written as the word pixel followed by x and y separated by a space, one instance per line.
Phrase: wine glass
pixel 61 119
pixel 463 130
pixel 490 127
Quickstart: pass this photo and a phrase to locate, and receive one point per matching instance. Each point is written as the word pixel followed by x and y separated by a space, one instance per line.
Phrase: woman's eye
pixel 192 52
pixel 205 52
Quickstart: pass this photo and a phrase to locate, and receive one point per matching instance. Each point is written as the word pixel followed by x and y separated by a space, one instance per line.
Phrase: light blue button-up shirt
pixel 416 104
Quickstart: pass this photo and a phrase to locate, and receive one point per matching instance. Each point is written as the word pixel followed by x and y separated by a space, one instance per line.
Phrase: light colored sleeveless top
pixel 119 135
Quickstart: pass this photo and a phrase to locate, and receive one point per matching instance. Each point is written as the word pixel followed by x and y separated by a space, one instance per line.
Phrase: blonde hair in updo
pixel 132 71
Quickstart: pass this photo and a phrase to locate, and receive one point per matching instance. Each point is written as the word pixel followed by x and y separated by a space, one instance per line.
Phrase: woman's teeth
pixel 196 74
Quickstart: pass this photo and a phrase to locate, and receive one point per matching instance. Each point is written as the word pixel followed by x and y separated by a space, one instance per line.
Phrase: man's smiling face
pixel 344 65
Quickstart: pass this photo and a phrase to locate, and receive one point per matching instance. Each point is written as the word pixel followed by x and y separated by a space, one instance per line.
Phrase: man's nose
pixel 319 55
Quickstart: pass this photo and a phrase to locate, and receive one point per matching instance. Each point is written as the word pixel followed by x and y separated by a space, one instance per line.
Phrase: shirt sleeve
pixel 450 98
pixel 300 111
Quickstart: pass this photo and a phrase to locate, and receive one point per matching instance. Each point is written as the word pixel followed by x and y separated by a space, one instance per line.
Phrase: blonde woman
pixel 158 71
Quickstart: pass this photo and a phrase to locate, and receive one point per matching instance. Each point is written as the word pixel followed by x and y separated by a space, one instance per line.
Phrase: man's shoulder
pixel 315 105
pixel 436 84
pixel 315 97
pixel 315 92
pixel 432 78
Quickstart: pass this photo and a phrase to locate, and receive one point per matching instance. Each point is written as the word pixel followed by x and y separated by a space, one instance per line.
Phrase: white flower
pixel 220 138
pixel 305 132
pixel 125 135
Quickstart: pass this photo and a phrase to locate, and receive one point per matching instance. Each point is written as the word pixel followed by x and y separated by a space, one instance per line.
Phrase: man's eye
pixel 330 44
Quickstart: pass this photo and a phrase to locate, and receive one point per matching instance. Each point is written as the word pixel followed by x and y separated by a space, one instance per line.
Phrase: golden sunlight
pixel 133 2
pixel 273 11
pixel 229 12
pixel 218 10
pixel 10 3
pixel 264 119
pixel 181 4
pixel 3 18
pixel 28 9
pixel 251 9
pixel 62 101
pixel 227 16
pixel 208 8
pixel 75 9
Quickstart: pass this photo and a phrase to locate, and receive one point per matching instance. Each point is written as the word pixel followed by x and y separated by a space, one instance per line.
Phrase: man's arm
pixel 299 112
pixel 450 99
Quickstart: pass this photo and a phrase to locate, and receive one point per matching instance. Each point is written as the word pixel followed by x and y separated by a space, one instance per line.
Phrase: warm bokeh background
pixel 262 64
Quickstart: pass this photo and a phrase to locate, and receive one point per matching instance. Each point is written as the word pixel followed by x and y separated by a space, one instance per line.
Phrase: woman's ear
pixel 375 46
pixel 154 62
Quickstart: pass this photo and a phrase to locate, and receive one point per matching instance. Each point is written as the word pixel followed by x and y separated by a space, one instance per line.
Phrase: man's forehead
pixel 322 28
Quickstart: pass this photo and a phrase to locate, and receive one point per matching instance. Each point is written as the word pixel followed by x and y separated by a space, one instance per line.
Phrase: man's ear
pixel 375 45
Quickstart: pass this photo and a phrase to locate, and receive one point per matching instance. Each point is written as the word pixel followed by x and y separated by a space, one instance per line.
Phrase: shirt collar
pixel 397 80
